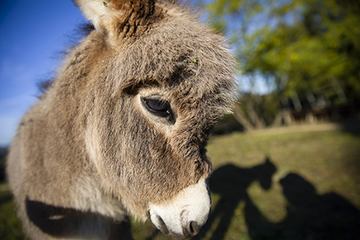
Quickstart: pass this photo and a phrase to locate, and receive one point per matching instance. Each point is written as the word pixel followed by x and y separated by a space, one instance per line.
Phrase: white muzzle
pixel 184 215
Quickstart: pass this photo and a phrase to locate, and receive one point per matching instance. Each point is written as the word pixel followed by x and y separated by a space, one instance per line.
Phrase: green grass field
pixel 291 183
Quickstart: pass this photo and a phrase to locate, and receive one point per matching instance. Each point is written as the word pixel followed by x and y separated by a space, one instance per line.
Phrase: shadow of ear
pixel 265 173
pixel 72 223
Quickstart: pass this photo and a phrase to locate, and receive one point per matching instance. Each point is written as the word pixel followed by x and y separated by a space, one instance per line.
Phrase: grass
pixel 291 183
pixel 10 228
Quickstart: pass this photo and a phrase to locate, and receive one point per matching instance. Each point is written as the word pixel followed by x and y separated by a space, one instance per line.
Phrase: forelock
pixel 179 53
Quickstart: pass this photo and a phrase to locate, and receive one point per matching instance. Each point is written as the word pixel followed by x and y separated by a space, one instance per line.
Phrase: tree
pixel 301 46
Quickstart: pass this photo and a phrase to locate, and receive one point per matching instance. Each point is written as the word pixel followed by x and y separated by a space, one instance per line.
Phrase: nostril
pixel 162 225
pixel 193 228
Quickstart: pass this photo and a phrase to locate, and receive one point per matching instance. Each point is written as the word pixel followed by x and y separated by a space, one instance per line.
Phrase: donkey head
pixel 162 81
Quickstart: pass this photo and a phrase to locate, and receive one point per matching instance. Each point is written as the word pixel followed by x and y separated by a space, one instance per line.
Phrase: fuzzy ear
pixel 116 16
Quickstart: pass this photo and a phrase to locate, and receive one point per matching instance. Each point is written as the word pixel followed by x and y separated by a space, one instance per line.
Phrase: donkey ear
pixel 115 15
pixel 93 10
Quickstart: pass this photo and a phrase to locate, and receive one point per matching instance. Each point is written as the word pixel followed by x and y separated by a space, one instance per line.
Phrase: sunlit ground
pixel 288 183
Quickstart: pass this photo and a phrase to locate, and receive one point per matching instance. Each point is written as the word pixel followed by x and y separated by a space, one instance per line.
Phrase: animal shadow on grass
pixel 70 223
pixel 310 216
pixel 231 183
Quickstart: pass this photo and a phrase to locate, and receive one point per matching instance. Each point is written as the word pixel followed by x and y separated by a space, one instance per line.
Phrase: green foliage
pixel 305 45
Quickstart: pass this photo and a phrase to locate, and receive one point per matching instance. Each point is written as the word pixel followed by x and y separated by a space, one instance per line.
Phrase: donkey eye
pixel 157 107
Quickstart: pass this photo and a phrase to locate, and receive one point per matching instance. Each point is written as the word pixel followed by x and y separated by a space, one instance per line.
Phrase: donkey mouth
pixel 184 215
pixel 188 231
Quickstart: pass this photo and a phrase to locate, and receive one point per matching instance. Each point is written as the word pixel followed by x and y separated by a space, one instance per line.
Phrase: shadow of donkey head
pixel 230 180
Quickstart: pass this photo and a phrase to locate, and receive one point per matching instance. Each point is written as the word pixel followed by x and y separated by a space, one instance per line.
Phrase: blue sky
pixel 33 33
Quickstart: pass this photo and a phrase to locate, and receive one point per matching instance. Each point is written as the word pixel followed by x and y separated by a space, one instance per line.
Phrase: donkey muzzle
pixel 185 214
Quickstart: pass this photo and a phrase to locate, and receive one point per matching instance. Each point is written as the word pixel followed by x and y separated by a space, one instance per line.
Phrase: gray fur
pixel 87 145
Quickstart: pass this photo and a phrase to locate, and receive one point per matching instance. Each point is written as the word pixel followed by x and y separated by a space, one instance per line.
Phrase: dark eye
pixel 157 107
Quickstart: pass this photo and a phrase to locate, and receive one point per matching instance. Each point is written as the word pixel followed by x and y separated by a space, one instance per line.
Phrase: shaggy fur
pixel 88 145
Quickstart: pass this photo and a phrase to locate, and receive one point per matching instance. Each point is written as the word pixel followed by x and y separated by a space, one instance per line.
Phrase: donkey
pixel 122 129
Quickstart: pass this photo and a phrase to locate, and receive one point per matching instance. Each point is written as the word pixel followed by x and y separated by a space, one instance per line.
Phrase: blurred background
pixel 286 162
